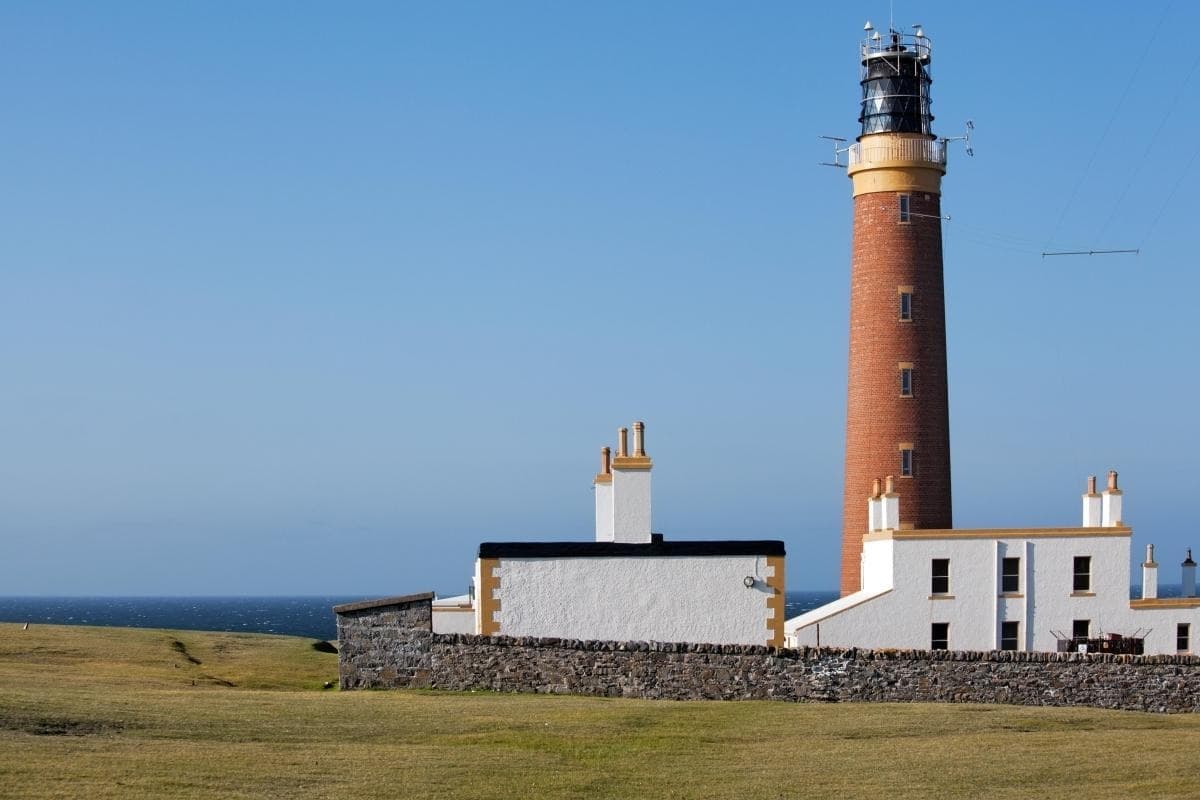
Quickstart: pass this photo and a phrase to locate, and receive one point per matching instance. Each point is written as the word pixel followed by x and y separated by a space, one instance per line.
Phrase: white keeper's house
pixel 629 584
pixel 1005 589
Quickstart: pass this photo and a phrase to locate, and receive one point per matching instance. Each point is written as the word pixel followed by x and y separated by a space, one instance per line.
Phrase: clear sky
pixel 312 298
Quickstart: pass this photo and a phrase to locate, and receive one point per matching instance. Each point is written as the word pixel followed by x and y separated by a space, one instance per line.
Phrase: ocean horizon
pixel 303 615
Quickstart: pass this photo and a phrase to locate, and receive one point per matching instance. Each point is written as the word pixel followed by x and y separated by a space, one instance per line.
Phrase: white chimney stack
pixel 890 503
pixel 1189 576
pixel 631 488
pixel 603 486
pixel 1091 505
pixel 1149 575
pixel 875 508
pixel 1110 515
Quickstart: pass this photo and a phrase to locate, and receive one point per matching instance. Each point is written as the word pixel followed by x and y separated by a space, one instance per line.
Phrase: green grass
pixel 114 713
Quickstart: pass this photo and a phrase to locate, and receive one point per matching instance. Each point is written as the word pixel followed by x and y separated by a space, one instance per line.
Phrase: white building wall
pixel 975 608
pixel 604 512
pixel 631 505
pixel 671 598
pixel 454 620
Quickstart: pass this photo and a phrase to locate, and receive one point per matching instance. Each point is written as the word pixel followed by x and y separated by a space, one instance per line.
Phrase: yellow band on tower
pixel 897 162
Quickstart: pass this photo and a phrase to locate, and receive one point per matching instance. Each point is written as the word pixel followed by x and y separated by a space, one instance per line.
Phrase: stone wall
pixel 376 653
pixel 385 643
pixel 741 672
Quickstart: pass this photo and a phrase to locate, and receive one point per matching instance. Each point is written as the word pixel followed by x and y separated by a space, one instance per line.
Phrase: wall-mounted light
pixel 749 581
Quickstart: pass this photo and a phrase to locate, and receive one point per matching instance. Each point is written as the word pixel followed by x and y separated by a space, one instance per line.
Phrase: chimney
pixel 1189 576
pixel 1149 575
pixel 890 505
pixel 631 488
pixel 603 486
pixel 1091 505
pixel 1110 514
pixel 875 508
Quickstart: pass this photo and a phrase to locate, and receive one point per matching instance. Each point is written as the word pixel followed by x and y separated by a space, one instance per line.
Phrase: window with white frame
pixel 939 576
pixel 1010 576
pixel 1083 574
pixel 1010 635
pixel 939 636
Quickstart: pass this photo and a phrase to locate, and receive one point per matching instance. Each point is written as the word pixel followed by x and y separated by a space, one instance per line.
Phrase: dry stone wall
pixel 385 643
pixel 372 656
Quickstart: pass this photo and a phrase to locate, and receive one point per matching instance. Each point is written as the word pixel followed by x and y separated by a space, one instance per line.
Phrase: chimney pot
pixel 639 439
pixel 1112 480
pixel 889 484
pixel 622 442
pixel 876 489
pixel 605 461
pixel 1091 483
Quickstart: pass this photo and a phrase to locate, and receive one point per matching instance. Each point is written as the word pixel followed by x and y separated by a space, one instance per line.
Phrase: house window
pixel 1083 573
pixel 904 208
pixel 906 389
pixel 1183 637
pixel 940 580
pixel 906 462
pixel 1081 631
pixel 1010 576
pixel 939 636
pixel 905 306
pixel 1010 634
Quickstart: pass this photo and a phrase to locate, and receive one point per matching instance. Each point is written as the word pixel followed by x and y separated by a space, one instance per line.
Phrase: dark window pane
pixel 940 574
pixel 1010 579
pixel 939 636
pixel 1010 633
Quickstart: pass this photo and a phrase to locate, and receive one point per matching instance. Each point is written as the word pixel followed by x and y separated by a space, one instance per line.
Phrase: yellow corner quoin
pixel 897 162
pixel 775 601
pixel 488 604
pixel 632 463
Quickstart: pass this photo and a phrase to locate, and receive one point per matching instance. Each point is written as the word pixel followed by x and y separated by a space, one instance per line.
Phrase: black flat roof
pixel 725 547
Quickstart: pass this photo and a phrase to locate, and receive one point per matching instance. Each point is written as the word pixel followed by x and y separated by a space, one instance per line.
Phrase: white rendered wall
pixel 974 607
pixel 670 599
pixel 631 505
pixel 604 512
pixel 453 620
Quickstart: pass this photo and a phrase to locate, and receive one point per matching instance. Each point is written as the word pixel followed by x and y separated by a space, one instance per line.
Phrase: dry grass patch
pixel 112 713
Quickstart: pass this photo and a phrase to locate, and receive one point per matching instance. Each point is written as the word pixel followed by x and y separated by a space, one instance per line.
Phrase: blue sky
pixel 303 298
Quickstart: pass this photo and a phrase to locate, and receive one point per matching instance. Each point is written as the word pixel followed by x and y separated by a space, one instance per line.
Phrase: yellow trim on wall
pixel 489 604
pixel 1166 602
pixel 632 463
pixel 775 601
pixel 997 533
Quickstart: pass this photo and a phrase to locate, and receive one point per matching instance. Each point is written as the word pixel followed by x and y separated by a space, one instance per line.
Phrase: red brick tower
pixel 897 412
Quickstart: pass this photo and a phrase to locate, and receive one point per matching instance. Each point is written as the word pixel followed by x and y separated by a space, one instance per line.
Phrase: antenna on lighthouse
pixel 965 138
pixel 837 151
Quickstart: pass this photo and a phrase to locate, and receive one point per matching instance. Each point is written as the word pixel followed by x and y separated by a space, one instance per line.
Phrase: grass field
pixel 127 713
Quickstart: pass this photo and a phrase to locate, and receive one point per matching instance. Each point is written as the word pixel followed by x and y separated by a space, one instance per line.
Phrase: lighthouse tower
pixel 897 413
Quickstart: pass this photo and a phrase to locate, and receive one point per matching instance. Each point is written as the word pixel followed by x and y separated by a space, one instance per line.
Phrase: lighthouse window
pixel 1183 637
pixel 904 210
pixel 906 381
pixel 906 462
pixel 906 306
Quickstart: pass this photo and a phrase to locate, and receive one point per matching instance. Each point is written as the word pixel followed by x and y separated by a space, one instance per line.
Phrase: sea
pixel 310 617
